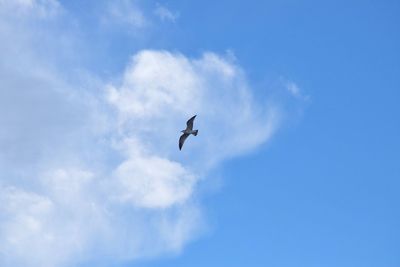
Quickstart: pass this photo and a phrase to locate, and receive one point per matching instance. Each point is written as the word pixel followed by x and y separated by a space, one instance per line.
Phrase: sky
pixel 297 159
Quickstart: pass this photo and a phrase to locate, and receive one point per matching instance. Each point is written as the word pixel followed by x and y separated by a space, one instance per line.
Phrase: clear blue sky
pixel 323 191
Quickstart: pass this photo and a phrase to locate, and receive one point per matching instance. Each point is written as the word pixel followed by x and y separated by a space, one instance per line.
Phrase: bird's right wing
pixel 182 140
pixel 189 123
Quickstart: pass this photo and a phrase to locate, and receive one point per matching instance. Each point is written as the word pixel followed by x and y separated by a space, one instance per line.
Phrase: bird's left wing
pixel 182 140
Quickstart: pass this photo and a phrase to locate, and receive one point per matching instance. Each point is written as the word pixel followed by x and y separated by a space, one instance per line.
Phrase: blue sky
pixel 297 159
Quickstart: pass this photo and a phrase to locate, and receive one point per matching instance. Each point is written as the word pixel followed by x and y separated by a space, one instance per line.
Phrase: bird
pixel 188 131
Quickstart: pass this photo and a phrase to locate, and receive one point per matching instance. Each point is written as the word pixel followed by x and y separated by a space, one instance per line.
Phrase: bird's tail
pixel 195 132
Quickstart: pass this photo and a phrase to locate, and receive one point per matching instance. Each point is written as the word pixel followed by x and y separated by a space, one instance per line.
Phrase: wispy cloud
pixel 165 14
pixel 42 8
pixel 295 91
pixel 125 13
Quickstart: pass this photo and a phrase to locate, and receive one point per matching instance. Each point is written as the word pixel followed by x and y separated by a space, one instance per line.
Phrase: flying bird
pixel 188 131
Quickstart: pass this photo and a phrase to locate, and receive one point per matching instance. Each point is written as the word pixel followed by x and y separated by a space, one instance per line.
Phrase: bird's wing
pixel 189 123
pixel 182 140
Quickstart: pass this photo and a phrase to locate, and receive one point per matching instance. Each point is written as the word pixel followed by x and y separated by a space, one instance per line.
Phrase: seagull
pixel 188 131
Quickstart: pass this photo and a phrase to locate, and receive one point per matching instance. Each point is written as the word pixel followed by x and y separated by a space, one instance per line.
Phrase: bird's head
pixel 182 131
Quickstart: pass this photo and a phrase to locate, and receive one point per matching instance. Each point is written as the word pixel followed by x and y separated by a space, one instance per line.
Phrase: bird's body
pixel 188 131
pixel 194 132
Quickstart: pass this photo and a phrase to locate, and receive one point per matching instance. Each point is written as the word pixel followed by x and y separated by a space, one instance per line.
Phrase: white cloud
pixel 165 14
pixel 160 90
pixel 46 229
pixel 96 175
pixel 158 93
pixel 124 192
pixel 152 181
